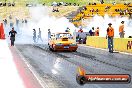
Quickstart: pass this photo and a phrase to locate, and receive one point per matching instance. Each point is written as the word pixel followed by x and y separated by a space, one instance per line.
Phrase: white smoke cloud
pixel 102 22
pixel 40 18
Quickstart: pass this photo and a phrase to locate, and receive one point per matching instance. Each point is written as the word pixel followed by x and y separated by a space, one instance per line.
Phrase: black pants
pixel 12 40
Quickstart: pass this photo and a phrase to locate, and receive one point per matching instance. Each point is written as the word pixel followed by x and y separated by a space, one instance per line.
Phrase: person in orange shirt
pixel 110 36
pixel 121 30
pixel 97 32
pixel 80 30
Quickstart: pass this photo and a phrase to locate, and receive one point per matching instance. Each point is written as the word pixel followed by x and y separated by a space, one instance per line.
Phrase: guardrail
pixel 120 44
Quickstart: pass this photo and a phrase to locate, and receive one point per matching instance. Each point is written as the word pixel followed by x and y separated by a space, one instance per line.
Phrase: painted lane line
pixel 35 74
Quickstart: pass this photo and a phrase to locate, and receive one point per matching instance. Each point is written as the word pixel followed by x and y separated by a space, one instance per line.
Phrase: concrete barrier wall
pixel 120 44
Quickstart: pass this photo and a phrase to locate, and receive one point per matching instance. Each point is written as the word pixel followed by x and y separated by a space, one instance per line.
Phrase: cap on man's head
pixel 122 21
pixel 110 24
pixel 67 27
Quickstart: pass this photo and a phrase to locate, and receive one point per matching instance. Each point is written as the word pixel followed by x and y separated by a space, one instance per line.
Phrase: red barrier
pixel 2 33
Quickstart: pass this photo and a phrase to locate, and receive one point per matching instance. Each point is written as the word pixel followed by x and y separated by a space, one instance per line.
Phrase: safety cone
pixel 2 33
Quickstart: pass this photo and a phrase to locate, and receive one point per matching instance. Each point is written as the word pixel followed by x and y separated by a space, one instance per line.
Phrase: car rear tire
pixel 51 48
pixel 74 50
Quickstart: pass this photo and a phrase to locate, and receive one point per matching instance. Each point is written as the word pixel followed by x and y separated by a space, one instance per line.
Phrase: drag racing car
pixel 62 42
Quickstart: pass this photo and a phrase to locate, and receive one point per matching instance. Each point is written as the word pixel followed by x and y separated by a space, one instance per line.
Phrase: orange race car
pixel 62 42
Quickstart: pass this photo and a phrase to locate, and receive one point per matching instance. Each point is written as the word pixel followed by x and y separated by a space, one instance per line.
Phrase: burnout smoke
pixel 40 18
pixel 102 23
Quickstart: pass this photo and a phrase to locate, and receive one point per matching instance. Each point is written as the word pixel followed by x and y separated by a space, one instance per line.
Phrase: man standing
pixel 93 31
pixel 11 24
pixel 12 34
pixel 17 22
pixel 81 30
pixel 34 35
pixel 90 32
pixel 5 22
pixel 49 34
pixel 110 35
pixel 97 32
pixel 39 36
pixel 67 29
pixel 121 30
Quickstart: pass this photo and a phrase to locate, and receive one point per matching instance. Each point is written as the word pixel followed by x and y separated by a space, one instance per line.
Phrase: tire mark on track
pixel 51 80
pixel 59 55
pixel 97 60
pixel 85 56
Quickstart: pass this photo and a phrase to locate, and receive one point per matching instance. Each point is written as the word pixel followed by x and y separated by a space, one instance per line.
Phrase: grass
pixel 48 2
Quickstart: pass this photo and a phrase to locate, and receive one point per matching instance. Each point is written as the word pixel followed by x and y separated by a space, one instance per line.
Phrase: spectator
pixel 94 3
pixel 97 32
pixel 12 35
pixel 13 4
pixel 89 4
pixel 85 39
pixel 114 3
pixel 11 24
pixel 81 37
pixel 102 1
pixel 90 32
pixel 80 30
pixel 5 22
pixel 17 22
pixel 39 36
pixel 43 4
pixel 0 3
pixel 92 10
pixel 93 31
pixel 34 35
pixel 67 29
pixel 74 4
pixel 85 8
pixel 49 33
pixel 70 4
pixel 121 30
pixel 22 21
pixel 77 38
pixel 97 10
pixel 110 35
pixel 9 4
pixel 25 21
pixel 4 4
pixel 55 9
pixel 10 17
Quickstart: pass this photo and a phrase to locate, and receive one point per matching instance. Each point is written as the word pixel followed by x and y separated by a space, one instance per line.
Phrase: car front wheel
pixel 50 48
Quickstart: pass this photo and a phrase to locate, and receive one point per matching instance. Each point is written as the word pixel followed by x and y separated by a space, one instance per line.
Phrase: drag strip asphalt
pixel 58 69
